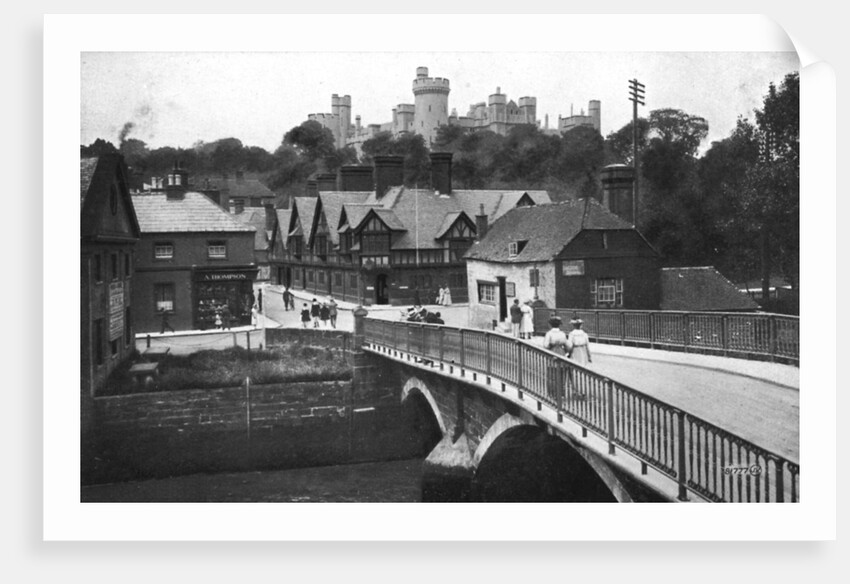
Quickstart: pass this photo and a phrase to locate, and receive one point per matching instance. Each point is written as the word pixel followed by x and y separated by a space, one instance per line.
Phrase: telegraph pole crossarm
pixel 637 93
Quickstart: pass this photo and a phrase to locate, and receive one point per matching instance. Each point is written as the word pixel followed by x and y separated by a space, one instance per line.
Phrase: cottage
pixel 572 254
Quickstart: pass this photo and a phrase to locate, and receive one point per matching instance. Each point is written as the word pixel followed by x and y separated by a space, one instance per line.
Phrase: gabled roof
pixel 306 208
pixel 701 288
pixel 256 218
pixel 355 213
pixel 87 168
pixel 448 221
pixel 332 203
pixel 282 227
pixel 546 228
pixel 191 213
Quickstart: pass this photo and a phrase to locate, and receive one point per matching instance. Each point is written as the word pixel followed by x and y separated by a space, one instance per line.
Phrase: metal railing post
pixel 487 357
pixel 651 330
pixel 462 355
pixel 724 334
pixel 780 481
pixel 622 328
pixel 686 331
pixel 609 393
pixel 442 350
pixel 771 331
pixel 680 443
pixel 518 345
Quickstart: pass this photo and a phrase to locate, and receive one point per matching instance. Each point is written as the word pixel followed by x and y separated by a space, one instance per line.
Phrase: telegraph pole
pixel 636 90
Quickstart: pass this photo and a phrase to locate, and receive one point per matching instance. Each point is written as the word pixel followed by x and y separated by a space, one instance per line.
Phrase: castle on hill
pixel 430 110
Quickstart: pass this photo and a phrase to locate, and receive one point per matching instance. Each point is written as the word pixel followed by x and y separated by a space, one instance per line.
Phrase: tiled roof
pixel 194 212
pixel 306 207
pixel 356 212
pixel 283 216
pixel 701 288
pixel 547 229
pixel 332 202
pixel 448 221
pixel 256 218
pixel 87 168
pixel 247 188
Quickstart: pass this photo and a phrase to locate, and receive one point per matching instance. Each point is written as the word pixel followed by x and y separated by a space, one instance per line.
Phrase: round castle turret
pixel 431 104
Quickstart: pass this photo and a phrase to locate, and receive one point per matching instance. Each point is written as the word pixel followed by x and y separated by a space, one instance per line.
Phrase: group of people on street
pixel 575 346
pixel 421 314
pixel 319 312
pixel 522 319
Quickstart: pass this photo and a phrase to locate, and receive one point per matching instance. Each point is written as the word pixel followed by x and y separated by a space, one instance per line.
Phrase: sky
pixel 176 99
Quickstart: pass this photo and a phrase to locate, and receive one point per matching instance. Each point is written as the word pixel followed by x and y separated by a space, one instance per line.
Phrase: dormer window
pixel 516 247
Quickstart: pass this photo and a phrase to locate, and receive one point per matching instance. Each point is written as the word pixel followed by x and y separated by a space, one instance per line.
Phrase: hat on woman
pixel 576 320
pixel 555 322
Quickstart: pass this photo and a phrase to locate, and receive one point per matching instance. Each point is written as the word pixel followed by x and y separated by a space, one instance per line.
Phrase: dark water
pixel 394 481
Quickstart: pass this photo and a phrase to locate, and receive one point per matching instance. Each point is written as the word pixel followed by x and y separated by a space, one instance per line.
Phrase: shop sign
pixel 573 268
pixel 223 276
pixel 116 310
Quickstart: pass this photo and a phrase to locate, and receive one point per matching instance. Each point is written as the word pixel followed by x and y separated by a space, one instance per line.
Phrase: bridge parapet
pixel 700 458
pixel 732 334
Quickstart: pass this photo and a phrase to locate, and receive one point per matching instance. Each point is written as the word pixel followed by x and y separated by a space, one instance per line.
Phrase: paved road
pixel 757 401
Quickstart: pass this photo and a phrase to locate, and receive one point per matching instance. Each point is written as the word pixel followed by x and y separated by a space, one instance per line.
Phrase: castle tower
pixel 344 120
pixel 528 107
pixel 595 111
pixel 431 104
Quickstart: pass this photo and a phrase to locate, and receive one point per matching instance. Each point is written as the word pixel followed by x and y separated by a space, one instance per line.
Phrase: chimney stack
pixel 238 206
pixel 389 172
pixel 617 190
pixel 270 217
pixel 441 172
pixel 356 178
pixel 178 182
pixel 481 224
pixel 326 182
pixel 312 188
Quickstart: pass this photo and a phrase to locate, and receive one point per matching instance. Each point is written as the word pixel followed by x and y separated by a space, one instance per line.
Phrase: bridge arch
pixel 562 469
pixel 415 385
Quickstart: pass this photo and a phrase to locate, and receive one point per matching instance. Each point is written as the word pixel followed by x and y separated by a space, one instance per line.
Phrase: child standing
pixel 305 315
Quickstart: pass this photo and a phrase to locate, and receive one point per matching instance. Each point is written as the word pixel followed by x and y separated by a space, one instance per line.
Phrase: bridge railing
pixel 734 334
pixel 701 457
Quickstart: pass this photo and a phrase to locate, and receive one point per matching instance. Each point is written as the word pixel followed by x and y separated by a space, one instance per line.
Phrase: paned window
pixel 217 250
pixel 163 294
pixel 607 292
pixel 163 251
pixel 487 292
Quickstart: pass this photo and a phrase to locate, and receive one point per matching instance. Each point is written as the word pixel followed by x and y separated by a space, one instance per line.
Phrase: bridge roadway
pixel 756 400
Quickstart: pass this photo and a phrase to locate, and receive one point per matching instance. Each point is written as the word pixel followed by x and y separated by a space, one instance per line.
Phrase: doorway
pixel 503 299
pixel 381 296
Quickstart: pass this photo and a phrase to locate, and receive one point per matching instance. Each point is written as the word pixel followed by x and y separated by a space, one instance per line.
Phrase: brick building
pixel 192 257
pixel 109 232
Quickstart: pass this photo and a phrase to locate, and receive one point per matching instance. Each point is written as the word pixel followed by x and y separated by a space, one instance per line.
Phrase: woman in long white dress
pixel 580 343
pixel 447 296
pixel 526 325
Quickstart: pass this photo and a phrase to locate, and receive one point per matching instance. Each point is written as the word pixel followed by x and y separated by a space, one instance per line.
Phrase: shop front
pixel 218 292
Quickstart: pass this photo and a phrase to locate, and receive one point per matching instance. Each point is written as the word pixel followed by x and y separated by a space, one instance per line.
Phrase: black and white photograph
pixel 440 277
pixel 354 287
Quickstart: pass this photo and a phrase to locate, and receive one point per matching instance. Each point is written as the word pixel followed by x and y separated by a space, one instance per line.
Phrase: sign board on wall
pixel 572 268
pixel 116 310
pixel 510 289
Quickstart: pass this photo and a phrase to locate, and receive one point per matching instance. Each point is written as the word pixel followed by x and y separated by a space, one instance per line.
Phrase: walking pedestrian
pixel 218 321
pixel 255 316
pixel 332 310
pixel 516 318
pixel 324 313
pixel 440 296
pixel 305 315
pixel 447 296
pixel 556 340
pixel 226 316
pixel 165 323
pixel 579 343
pixel 526 325
pixel 287 298
pixel 315 309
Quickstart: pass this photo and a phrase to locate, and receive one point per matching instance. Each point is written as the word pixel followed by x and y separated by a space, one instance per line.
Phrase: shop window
pixel 163 251
pixel 217 250
pixel 98 341
pixel 607 292
pixel 163 294
pixel 487 292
